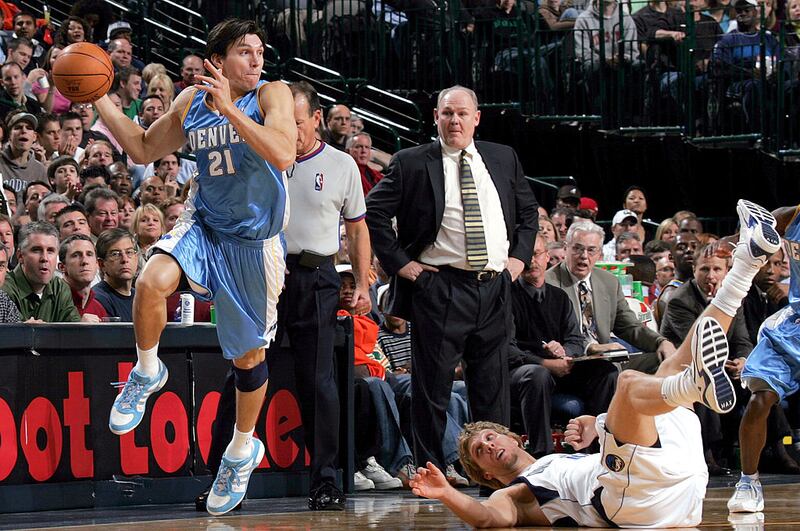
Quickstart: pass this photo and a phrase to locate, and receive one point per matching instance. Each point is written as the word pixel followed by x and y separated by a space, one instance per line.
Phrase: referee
pixel 324 184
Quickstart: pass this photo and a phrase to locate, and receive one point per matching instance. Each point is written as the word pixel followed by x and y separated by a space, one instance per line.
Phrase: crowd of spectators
pixel 78 216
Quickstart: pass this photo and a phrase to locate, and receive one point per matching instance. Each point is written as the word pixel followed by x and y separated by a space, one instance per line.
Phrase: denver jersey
pixel 792 247
pixel 238 193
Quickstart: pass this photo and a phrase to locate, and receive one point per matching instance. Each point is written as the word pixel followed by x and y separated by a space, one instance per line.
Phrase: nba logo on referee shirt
pixel 319 180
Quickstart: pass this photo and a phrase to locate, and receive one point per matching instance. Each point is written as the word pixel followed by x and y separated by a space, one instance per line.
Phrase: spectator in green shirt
pixel 32 286
pixel 128 83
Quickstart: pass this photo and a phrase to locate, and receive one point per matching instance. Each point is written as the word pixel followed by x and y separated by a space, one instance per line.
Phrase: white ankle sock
pixel 148 361
pixel 240 446
pixel 750 477
pixel 679 390
pixel 735 286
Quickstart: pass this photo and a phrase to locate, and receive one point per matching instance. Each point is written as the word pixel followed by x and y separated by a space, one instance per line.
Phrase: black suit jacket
pixel 413 192
pixel 686 305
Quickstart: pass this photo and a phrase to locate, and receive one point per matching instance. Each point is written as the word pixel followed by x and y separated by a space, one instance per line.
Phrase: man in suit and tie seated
pixel 597 297
pixel 541 359
pixel 466 223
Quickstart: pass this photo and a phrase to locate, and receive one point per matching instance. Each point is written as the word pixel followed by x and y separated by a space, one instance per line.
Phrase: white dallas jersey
pixel 564 485
pixel 323 185
pixel 627 485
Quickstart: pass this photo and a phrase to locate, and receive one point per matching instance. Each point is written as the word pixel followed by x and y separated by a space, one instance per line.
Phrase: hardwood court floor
pixel 384 511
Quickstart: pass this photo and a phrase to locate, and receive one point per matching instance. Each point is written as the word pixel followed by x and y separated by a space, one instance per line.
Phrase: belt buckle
pixel 483 276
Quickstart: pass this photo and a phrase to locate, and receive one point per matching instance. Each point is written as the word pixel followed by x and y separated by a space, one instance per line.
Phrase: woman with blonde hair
pixel 148 226
pixel 667 230
pixel 161 85
pixel 151 70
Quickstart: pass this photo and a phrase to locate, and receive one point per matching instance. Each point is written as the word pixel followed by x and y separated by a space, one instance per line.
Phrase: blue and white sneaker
pixel 128 408
pixel 758 238
pixel 748 497
pixel 709 354
pixel 230 486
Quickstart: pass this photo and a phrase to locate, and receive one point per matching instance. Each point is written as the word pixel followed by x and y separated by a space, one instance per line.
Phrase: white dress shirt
pixel 450 247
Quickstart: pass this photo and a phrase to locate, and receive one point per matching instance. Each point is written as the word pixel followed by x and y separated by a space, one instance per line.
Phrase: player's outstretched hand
pixel 580 432
pixel 217 85
pixel 429 482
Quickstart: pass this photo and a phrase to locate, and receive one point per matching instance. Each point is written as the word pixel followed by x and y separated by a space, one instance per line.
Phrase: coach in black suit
pixel 452 279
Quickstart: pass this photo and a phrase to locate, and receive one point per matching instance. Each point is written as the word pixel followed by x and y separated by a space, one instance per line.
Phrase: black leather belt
pixel 480 276
pixel 308 259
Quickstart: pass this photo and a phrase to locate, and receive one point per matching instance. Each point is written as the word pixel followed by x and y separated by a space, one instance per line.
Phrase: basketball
pixel 83 72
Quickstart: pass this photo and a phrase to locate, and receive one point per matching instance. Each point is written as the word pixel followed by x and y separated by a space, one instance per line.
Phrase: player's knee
pixel 627 379
pixel 761 402
pixel 152 285
pixel 250 379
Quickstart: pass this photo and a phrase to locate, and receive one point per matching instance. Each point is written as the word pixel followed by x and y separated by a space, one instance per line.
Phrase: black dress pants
pixel 457 317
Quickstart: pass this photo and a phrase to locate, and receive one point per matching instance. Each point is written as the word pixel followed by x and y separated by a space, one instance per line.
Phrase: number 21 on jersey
pixel 220 163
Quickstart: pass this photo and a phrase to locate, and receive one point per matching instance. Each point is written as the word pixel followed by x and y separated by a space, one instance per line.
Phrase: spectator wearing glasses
pixel 118 258
pixel 547 340
pixel 87 114
pixel 597 298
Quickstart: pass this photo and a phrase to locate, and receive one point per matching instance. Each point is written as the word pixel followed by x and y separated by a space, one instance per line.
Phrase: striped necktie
pixel 477 255
pixel 587 312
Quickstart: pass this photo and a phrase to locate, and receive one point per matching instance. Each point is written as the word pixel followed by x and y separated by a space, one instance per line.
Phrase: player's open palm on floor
pixel 429 482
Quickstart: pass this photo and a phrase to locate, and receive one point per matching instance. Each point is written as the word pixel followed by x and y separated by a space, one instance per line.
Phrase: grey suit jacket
pixel 611 311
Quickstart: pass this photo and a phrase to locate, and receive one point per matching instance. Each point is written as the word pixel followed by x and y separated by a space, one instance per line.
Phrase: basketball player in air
pixel 650 471
pixel 772 372
pixel 226 247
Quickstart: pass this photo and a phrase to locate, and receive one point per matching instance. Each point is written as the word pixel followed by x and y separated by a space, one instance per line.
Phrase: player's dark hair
pixel 309 92
pixel 229 32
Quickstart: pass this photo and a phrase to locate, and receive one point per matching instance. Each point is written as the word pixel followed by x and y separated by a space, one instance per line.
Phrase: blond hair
pixel 470 431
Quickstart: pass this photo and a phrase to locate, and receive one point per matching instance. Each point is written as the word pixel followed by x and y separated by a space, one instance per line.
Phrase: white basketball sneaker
pixel 747 498
pixel 758 239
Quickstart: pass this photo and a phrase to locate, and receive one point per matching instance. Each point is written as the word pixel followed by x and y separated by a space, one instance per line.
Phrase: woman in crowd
pixel 161 85
pixel 667 230
pixel 126 212
pixel 148 226
pixel 547 229
pixel 49 97
pixel 72 30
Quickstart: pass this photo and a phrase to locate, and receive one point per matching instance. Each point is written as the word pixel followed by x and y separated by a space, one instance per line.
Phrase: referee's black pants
pixel 307 314
pixel 456 317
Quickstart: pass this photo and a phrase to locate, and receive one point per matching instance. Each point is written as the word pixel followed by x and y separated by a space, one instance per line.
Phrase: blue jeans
pixel 457 412
pixel 395 451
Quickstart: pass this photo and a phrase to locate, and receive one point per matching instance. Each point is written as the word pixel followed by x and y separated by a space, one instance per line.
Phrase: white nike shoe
pixel 758 239
pixel 747 498
pixel 709 353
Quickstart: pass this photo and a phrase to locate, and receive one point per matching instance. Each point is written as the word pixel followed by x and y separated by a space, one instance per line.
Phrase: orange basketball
pixel 83 72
